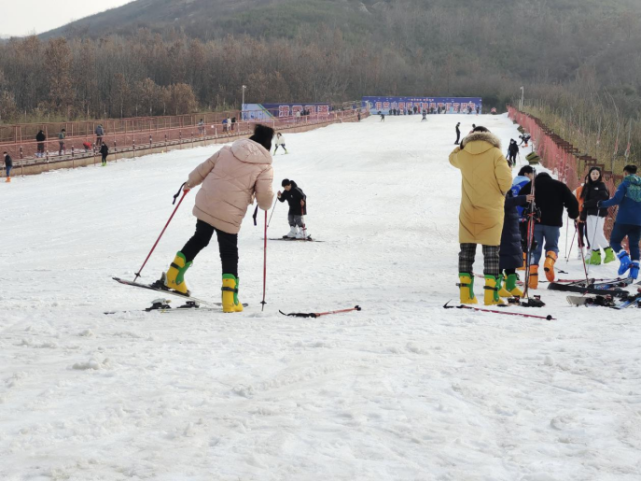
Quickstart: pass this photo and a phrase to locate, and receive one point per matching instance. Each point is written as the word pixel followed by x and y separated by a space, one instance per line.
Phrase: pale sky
pixel 24 17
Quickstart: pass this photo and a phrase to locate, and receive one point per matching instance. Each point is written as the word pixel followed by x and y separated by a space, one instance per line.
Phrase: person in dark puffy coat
pixel 511 252
pixel 594 190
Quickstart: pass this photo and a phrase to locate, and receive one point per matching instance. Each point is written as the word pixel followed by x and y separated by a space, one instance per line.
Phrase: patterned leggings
pixel 490 259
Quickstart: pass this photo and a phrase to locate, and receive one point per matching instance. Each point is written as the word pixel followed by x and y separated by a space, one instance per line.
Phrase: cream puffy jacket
pixel 231 179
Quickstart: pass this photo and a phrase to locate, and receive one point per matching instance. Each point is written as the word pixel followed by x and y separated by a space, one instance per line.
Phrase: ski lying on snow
pixel 605 301
pixel 616 292
pixel 287 239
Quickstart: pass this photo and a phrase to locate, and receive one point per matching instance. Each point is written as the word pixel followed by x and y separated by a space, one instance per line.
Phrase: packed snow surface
pixel 403 390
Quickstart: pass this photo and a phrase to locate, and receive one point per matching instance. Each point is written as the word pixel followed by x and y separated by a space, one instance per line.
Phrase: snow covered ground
pixel 403 390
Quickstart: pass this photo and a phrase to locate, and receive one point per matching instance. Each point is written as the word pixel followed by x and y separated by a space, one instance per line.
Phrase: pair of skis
pixel 607 301
pixel 194 303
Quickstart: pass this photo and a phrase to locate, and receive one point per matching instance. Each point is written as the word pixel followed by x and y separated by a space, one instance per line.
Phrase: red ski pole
pixel 164 229
pixel 264 265
pixel 533 316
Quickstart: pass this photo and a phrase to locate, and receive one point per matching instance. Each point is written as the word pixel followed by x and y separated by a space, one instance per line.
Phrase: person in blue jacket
pixel 628 222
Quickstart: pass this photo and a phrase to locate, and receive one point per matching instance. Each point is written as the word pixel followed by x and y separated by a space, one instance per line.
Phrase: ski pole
pixel 533 316
pixel 566 236
pixel 591 242
pixel 567 256
pixel 302 214
pixel 264 266
pixel 164 228
pixel 587 280
pixel 319 314
pixel 272 214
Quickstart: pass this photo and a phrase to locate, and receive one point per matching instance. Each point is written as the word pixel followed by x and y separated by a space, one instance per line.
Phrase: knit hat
pixel 263 135
pixel 285 182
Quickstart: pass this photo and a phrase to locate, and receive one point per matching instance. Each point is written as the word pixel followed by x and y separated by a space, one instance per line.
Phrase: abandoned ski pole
pixel 264 266
pixel 533 316
pixel 319 314
pixel 184 191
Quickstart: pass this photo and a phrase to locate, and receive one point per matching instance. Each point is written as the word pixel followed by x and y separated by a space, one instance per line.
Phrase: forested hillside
pixel 131 60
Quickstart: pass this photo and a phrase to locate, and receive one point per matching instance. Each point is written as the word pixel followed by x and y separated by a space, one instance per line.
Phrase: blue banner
pixel 271 111
pixel 431 105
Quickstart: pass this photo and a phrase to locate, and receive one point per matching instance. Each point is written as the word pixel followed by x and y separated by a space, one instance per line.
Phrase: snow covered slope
pixel 403 390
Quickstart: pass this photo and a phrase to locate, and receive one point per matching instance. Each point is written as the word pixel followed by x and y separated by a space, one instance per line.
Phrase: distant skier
pixel 40 138
pixel 424 113
pixel 280 141
pixel 231 179
pixel 8 165
pixel 525 138
pixel 382 116
pixel 628 223
pixel 486 180
pixel 100 131
pixel 593 191
pixel 458 133
pixel 104 151
pixel 552 196
pixel 297 201
pixel 512 152
pixel 61 141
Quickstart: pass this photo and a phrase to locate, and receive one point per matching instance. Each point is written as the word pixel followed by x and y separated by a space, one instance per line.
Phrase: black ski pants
pixel 227 245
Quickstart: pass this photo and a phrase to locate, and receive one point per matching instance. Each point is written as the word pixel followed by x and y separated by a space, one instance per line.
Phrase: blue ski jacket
pixel 628 198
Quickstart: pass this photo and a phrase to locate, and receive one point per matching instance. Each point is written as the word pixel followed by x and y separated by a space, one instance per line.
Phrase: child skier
pixel 592 192
pixel 525 176
pixel 511 244
pixel 280 141
pixel 297 201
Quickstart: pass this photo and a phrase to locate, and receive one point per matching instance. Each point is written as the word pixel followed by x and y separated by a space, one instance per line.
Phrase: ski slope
pixel 403 390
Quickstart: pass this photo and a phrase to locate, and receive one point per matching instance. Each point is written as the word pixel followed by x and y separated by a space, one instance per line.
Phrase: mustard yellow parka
pixel 486 180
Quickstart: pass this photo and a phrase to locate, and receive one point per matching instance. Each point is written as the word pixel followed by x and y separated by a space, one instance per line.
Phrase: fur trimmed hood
pixel 470 143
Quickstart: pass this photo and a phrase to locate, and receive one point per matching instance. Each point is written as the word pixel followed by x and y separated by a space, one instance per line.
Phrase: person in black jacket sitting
pixel 593 191
pixel 551 197
pixel 297 201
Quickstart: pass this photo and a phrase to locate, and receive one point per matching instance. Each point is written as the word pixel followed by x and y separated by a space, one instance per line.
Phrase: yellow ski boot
pixel 175 277
pixel 492 288
pixel 230 294
pixel 467 289
pixel 509 288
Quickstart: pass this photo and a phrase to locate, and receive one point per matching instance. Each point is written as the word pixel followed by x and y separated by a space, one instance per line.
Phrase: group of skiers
pixel 516 221
pixel 232 179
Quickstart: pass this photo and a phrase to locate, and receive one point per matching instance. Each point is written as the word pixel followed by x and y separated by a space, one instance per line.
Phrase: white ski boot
pixel 292 234
pixel 302 234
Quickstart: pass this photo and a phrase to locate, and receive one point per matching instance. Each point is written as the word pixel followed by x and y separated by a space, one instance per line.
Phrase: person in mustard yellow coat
pixel 486 180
